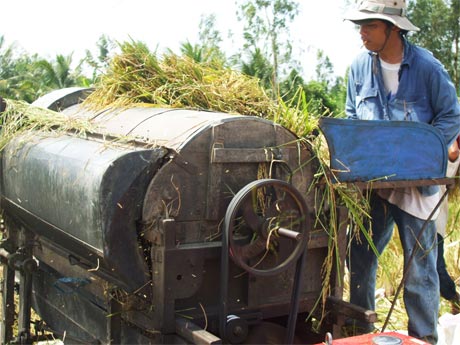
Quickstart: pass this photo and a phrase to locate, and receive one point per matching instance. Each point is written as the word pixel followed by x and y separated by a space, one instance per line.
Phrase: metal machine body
pixel 127 236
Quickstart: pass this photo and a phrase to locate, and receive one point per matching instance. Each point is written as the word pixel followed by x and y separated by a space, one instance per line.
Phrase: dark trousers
pixel 446 284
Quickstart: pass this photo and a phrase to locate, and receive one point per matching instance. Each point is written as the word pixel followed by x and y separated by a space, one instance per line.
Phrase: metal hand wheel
pixel 267 226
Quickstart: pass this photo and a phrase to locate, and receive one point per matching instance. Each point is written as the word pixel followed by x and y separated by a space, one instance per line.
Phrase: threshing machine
pixel 167 226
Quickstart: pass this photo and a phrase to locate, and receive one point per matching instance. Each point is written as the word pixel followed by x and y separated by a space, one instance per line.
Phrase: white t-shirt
pixel 390 76
pixel 412 201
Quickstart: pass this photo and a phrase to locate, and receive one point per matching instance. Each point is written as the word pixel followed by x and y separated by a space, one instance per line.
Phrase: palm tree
pixel 99 63
pixel 193 51
pixel 17 77
pixel 259 66
pixel 58 74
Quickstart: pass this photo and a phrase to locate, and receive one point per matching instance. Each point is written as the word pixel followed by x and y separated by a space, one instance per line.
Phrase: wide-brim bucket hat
pixel 393 11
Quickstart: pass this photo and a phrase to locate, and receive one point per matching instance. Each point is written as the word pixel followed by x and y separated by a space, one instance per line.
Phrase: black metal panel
pixel 122 194
pixel 85 196
pixel 68 309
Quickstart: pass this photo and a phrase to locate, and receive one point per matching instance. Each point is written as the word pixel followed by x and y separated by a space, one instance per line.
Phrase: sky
pixel 51 27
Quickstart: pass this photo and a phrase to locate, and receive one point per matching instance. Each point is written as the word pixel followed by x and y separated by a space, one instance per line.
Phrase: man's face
pixel 373 34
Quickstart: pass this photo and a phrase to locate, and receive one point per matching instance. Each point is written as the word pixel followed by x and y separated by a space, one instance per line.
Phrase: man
pixel 395 80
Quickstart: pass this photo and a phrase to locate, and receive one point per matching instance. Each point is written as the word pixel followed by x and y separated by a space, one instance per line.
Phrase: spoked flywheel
pixel 266 224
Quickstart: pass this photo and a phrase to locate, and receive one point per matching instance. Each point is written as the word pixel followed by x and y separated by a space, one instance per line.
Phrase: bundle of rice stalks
pixel 22 118
pixel 137 75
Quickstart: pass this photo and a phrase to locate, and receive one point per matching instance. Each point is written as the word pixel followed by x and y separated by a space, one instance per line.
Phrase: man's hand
pixel 453 151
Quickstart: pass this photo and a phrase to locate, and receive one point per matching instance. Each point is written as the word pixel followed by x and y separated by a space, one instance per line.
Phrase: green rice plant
pixel 295 116
pixel 333 198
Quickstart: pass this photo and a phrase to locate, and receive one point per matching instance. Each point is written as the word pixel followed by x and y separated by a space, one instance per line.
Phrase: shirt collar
pixel 408 53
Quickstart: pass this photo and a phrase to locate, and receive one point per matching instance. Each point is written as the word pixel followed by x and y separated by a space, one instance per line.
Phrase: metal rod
pixel 8 305
pixel 195 334
pixel 409 262
pixel 290 234
pixel 295 297
pixel 223 310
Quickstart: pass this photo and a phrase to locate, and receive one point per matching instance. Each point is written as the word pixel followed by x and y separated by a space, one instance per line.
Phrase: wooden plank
pixel 340 306
pixel 244 155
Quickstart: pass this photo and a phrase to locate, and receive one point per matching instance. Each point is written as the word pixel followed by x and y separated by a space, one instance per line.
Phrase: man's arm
pixel 350 105
pixel 445 105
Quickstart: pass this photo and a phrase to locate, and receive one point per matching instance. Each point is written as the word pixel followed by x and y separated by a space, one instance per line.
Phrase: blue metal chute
pixel 363 150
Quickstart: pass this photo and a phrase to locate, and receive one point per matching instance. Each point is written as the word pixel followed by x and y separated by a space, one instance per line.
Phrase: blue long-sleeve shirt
pixel 425 92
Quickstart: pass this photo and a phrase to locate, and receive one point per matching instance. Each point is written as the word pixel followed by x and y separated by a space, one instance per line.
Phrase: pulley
pixel 267 225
